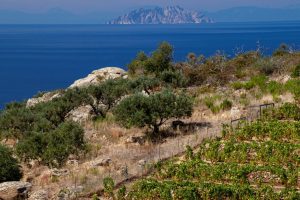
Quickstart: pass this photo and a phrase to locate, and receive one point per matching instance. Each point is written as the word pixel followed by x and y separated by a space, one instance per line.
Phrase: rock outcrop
pixel 80 114
pixel 39 195
pixel 14 190
pixel 44 98
pixel 100 75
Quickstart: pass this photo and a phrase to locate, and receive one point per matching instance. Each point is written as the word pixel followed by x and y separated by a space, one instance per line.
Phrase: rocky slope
pixel 158 15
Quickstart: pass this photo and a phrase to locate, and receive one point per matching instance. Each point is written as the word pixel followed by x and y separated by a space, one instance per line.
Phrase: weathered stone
pixel 100 75
pixel 235 113
pixel 44 98
pixel 136 139
pixel 70 193
pixel 14 190
pixel 59 172
pixel 39 195
pixel 142 163
pixel 80 114
pixel 101 162
pixel 73 163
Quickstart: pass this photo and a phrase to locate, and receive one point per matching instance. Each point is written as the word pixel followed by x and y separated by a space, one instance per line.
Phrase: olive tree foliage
pixel 104 96
pixel 17 121
pixel 54 147
pixel 154 110
pixel 144 83
pixel 173 78
pixel 160 60
pixel 9 167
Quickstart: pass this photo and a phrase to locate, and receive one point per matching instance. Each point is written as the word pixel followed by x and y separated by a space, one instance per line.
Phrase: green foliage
pixel 137 65
pixel 144 83
pixel 275 88
pixel 296 72
pixel 16 122
pixel 257 161
pixel 106 95
pixel 121 193
pixel 153 110
pixel 159 61
pixel 173 78
pixel 10 169
pixel 189 154
pixel 67 139
pixel 293 86
pixel 266 66
pixel 259 81
pixel 109 186
pixel 54 147
pixel 288 111
pixel 226 105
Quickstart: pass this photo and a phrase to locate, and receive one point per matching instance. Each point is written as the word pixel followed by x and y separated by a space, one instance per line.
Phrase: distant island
pixel 159 15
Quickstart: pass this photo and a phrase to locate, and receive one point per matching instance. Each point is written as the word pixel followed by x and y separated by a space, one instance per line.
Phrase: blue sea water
pixel 46 57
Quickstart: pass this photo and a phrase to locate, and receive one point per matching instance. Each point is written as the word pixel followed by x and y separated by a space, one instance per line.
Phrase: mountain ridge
pixel 159 15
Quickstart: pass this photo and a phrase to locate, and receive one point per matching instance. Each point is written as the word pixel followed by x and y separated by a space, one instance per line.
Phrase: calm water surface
pixel 45 57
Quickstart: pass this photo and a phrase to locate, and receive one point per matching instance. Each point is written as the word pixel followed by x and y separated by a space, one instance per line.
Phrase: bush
pixel 266 66
pixel 237 85
pixel 154 110
pixel 160 60
pixel 296 72
pixel 10 169
pixel 275 88
pixel 174 79
pixel 67 139
pixel 53 148
pixel 106 95
pixel 109 186
pixel 226 105
pixel 144 83
pixel 121 193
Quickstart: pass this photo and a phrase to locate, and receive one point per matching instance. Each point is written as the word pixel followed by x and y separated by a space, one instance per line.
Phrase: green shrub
pixel 121 193
pixel 226 105
pixel 287 111
pixel 159 61
pixel 106 94
pixel 296 72
pixel 109 186
pixel 153 110
pixel 53 148
pixel 67 139
pixel 237 85
pixel 174 79
pixel 266 66
pixel 275 88
pixel 9 167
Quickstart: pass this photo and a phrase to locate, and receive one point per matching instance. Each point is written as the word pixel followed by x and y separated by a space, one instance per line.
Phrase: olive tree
pixel 144 83
pixel 160 60
pixel 105 95
pixel 10 169
pixel 153 110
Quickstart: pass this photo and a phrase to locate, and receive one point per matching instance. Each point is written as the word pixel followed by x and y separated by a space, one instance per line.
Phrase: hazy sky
pixel 82 6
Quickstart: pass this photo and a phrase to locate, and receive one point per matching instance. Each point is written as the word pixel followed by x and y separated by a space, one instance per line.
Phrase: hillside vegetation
pixel 258 160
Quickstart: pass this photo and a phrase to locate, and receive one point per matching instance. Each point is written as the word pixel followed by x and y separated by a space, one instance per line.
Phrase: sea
pixel 35 58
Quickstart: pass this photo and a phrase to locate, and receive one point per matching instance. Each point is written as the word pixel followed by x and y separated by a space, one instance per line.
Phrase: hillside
pixel 158 15
pixel 161 130
pixel 258 160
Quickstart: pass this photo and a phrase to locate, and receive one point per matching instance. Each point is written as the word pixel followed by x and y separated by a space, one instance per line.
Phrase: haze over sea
pixel 46 57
